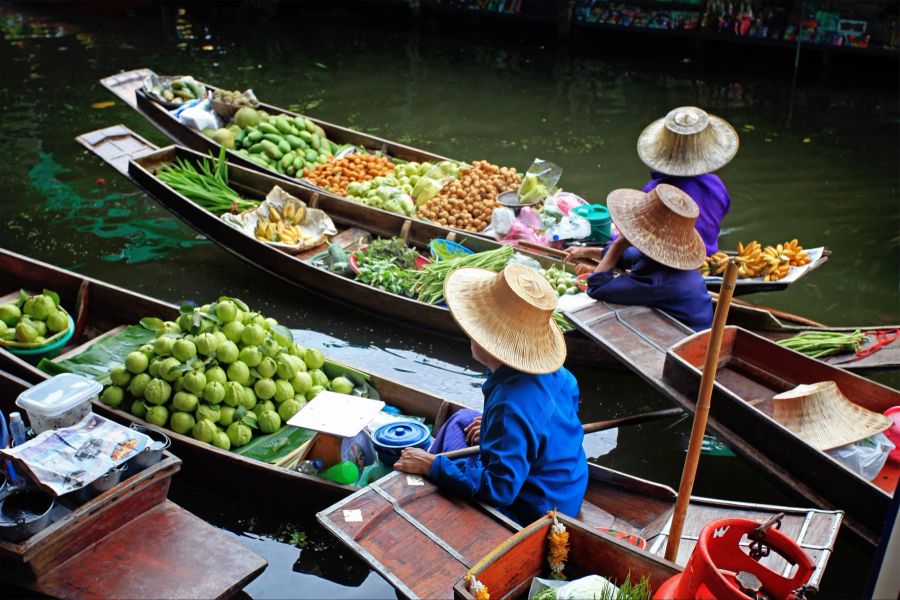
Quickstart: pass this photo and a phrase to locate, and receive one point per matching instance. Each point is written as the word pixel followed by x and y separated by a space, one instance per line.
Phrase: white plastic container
pixel 61 401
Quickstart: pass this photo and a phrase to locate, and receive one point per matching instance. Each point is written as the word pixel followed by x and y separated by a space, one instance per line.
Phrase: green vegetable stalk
pixel 207 186
pixel 428 282
pixel 818 344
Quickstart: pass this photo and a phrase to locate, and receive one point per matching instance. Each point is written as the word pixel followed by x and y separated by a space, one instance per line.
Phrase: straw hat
pixel 687 142
pixel 824 418
pixel 509 314
pixel 659 223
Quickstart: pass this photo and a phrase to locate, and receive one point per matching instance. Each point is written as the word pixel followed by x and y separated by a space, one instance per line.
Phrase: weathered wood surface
pixel 447 531
pixel 640 337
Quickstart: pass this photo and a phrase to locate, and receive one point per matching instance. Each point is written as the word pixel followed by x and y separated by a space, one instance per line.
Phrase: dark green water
pixel 817 162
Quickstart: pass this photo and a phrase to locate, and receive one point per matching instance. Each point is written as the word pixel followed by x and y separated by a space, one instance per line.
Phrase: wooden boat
pixel 129 87
pixel 423 539
pixel 357 223
pixel 129 542
pixel 753 370
pixel 507 572
pixel 104 309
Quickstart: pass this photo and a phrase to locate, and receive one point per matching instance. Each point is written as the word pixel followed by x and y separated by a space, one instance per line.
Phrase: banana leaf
pixel 102 356
pixel 274 446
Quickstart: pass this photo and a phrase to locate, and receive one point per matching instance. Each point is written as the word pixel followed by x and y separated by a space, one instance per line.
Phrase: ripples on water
pixel 816 162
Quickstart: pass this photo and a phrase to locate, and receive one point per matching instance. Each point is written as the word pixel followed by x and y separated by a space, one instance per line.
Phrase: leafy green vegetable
pixel 207 186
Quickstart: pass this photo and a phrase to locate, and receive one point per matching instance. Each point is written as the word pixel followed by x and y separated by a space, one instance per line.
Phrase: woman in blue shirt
pixel 659 249
pixel 531 459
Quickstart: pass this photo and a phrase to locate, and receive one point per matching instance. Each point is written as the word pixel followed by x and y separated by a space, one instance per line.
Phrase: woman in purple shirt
pixel 683 149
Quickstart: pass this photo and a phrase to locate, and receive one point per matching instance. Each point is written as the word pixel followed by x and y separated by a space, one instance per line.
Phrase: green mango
pixel 284 146
pixel 288 158
pixel 311 155
pixel 282 124
pixel 315 142
pixel 274 138
pixel 294 141
pixel 254 135
pixel 271 150
pixel 300 123
pixel 310 126
pixel 306 136
pixel 268 128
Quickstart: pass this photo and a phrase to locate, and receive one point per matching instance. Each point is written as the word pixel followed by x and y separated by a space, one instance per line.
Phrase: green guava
pixel 157 415
pixel 57 321
pixel 302 382
pixel 341 385
pixel 314 358
pixel 42 307
pixel 139 409
pixel 168 369
pixel 253 335
pixel 147 350
pixel 120 376
pixel 221 440
pixel 153 368
pixel 40 327
pixel 185 402
pixel 136 362
pixel 269 421
pixel 238 371
pixel 288 409
pixel 264 388
pixel 267 367
pixel 226 415
pixel 226 311
pixel 157 391
pixel 25 332
pixel 181 422
pixel 319 378
pixel 205 411
pixel 163 345
pixel 269 347
pixel 263 406
pixel 234 393
pixel 283 390
pixel 206 343
pixel 204 430
pixel 297 350
pixel 139 384
pixel 216 374
pixel 249 400
pixel 112 395
pixel 214 392
pixel 184 349
pixel 227 352
pixel 313 392
pixel 194 382
pixel 238 434
pixel 10 314
pixel 250 355
pixel 233 330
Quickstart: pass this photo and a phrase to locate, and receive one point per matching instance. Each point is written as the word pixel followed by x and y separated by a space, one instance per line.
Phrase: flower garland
pixel 559 548
pixel 478 589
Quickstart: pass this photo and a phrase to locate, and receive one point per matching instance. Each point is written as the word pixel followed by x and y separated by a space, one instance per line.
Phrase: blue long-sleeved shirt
pixel 681 293
pixel 531 457
pixel 712 198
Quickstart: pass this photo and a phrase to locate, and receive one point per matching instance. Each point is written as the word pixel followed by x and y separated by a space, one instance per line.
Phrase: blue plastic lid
pixel 401 434
pixel 393 410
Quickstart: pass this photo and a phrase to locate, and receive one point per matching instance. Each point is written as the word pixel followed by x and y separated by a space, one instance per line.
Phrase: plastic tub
pixel 61 401
pixel 391 439
pixel 598 216
pixel 441 246
pixel 47 350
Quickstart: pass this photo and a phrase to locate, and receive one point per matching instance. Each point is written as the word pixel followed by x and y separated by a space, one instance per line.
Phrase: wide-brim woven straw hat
pixel 509 314
pixel 659 223
pixel 686 142
pixel 824 418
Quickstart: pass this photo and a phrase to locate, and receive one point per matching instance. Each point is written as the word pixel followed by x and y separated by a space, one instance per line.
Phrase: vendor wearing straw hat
pixel 662 268
pixel 683 149
pixel 531 458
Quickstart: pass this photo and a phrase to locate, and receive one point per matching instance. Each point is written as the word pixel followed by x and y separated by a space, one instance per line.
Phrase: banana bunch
pixel 282 227
pixel 771 263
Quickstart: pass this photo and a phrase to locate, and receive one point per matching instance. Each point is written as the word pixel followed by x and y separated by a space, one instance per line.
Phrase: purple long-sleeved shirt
pixel 710 194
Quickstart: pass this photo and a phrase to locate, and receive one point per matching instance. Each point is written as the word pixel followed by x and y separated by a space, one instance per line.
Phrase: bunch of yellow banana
pixel 715 264
pixel 772 262
pixel 795 253
pixel 751 260
pixel 283 226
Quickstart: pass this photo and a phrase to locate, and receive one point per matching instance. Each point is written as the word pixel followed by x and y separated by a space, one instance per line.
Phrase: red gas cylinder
pixel 720 569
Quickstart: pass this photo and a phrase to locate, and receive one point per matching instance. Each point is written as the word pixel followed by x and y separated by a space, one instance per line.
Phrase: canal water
pixel 817 162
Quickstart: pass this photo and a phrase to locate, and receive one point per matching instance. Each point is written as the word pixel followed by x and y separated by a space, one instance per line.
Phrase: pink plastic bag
pixel 893 432
pixel 566 201
pixel 520 231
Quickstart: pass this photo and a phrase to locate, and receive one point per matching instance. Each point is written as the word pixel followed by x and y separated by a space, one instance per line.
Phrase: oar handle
pixel 590 428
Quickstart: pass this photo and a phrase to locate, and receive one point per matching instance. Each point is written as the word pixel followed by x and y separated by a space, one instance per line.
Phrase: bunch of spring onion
pixel 428 282
pixel 818 344
pixel 207 186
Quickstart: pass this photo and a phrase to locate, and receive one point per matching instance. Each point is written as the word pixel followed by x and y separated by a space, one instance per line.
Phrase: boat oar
pixel 701 412
pixel 590 428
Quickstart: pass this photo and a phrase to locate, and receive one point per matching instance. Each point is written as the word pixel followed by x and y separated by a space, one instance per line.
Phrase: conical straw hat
pixel 659 223
pixel 824 418
pixel 687 142
pixel 509 314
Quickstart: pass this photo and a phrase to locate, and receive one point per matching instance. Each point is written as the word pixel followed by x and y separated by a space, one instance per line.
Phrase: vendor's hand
pixel 581 269
pixel 415 461
pixel 581 253
pixel 473 432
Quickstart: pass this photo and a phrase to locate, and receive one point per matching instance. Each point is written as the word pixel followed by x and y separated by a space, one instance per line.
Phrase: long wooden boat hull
pixel 130 542
pixel 117 144
pixel 451 535
pixel 128 87
pixel 109 307
pixel 640 337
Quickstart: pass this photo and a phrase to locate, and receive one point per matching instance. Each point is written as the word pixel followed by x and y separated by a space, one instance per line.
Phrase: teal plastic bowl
pixel 48 350
pixel 598 216
pixel 448 247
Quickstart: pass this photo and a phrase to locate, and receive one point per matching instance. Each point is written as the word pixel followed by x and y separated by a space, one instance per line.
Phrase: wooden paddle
pixel 701 413
pixel 590 428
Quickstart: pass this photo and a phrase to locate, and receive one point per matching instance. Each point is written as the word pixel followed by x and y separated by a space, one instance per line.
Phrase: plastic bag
pixel 587 588
pixel 521 259
pixel 434 179
pixel 198 114
pixel 501 220
pixel 569 228
pixel 566 201
pixel 539 181
pixel 520 231
pixel 865 457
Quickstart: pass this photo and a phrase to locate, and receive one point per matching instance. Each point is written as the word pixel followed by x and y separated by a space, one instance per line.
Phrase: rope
pixel 883 337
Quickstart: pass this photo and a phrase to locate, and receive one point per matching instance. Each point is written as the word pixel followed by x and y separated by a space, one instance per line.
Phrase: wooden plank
pixel 116 145
pixel 164 553
pixel 124 84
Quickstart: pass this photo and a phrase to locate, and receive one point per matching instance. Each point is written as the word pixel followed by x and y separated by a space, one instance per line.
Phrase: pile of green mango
pixel 221 373
pixel 280 142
